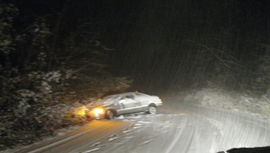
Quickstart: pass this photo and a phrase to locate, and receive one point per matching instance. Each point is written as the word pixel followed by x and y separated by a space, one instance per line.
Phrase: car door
pixel 127 104
pixel 138 103
pixel 142 101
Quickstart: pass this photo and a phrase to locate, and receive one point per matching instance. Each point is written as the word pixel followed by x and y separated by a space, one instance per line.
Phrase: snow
pixel 202 131
pixel 176 128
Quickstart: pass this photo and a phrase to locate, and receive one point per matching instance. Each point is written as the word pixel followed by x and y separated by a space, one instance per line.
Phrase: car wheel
pixel 109 114
pixel 152 110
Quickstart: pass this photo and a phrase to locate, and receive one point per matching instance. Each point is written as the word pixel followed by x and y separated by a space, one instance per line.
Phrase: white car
pixel 126 103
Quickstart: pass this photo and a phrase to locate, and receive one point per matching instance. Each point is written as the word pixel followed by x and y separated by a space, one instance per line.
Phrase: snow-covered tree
pixel 44 76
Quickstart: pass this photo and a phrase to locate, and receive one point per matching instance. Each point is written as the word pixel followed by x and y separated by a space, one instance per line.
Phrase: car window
pixel 130 96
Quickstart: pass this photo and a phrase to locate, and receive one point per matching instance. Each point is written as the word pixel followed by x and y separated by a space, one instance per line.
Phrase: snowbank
pixel 230 100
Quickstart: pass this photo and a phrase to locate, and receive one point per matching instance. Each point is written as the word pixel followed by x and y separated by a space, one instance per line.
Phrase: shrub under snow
pixel 242 102
pixel 231 100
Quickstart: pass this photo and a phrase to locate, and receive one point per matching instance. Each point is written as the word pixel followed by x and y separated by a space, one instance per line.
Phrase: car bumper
pixel 95 115
pixel 158 103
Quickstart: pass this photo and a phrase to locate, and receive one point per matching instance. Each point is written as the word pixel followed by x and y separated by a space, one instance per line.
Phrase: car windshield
pixel 108 100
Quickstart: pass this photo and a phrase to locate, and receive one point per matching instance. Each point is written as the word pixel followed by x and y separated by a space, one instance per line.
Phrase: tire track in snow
pixel 63 141
pixel 177 137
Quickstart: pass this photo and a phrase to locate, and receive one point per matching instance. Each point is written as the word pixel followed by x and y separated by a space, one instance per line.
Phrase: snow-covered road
pixel 178 128
pixel 192 129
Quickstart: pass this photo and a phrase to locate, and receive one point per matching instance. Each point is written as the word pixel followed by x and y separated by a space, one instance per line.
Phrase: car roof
pixel 123 94
pixel 108 99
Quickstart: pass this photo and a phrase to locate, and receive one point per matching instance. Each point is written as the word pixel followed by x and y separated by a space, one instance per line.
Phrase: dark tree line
pixel 49 62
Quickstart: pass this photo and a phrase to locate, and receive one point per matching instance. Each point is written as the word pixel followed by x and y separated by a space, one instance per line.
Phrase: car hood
pixel 101 104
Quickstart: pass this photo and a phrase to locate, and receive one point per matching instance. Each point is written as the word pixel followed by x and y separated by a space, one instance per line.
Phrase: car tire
pixel 152 110
pixel 110 114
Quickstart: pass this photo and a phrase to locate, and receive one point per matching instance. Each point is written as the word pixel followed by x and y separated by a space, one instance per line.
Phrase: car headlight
pixel 98 111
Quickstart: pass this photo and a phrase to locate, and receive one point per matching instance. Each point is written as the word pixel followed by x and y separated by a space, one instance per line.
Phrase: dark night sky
pixel 152 38
pixel 149 36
